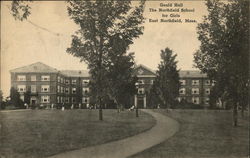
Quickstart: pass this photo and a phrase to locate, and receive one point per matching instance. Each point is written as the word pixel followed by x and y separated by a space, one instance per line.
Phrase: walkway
pixel 165 127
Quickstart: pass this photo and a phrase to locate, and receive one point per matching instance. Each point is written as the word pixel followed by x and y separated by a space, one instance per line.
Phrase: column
pixel 144 102
pixel 135 100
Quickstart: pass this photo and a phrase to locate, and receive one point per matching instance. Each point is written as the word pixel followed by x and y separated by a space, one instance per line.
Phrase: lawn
pixel 203 134
pixel 40 133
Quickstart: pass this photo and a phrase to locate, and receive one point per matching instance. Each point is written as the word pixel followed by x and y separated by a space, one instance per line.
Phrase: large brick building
pixel 195 86
pixel 49 85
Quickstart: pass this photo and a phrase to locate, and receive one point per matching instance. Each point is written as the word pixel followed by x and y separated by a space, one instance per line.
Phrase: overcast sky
pixel 47 34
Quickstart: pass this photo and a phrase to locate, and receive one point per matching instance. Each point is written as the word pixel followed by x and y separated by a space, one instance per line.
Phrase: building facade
pixel 195 86
pixel 48 85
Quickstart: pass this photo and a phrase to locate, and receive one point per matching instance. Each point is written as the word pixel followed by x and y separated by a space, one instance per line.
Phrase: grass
pixel 203 134
pixel 41 133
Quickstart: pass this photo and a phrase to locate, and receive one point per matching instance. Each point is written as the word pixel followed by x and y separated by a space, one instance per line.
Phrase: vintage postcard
pixel 124 79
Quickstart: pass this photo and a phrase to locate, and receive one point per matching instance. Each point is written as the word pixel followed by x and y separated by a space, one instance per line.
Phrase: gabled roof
pixel 75 73
pixel 36 67
pixel 141 70
pixel 191 74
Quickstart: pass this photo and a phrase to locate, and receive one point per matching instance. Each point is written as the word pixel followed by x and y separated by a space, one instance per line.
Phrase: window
pixel 183 82
pixel 67 90
pixel 66 81
pixel 58 89
pixel 21 78
pixel 45 88
pixel 73 90
pixel 182 91
pixel 140 90
pixel 33 88
pixel 85 82
pixel 179 99
pixel 85 100
pixel 45 78
pixel 195 90
pixel 195 100
pixel 33 78
pixel 207 91
pixel 207 101
pixel 140 81
pixel 207 82
pixel 45 99
pixel 21 88
pixel 62 80
pixel 58 79
pixel 58 99
pixel 73 81
pixel 67 99
pixel 85 90
pixel 61 89
pixel 73 99
pixel 62 100
pixel 213 82
pixel 195 82
pixel 152 81
pixel 22 97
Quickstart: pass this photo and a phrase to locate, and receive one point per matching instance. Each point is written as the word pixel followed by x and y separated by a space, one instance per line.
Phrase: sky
pixel 47 34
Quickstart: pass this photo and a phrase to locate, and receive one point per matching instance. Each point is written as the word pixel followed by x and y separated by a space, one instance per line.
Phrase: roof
pixel 191 74
pixel 36 67
pixel 75 73
pixel 141 70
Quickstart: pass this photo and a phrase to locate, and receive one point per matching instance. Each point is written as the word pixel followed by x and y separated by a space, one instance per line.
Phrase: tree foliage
pixel 120 79
pixel 167 78
pixel 20 9
pixel 107 28
pixel 15 98
pixel 224 49
pixel 27 96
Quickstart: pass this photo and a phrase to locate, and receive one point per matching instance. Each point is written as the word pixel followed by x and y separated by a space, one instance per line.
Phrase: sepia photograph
pixel 124 79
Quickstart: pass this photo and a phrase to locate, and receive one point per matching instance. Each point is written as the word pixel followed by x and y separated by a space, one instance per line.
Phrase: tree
pixel 153 96
pixel 224 49
pixel 27 96
pixel 1 99
pixel 167 78
pixel 102 22
pixel 15 98
pixel 20 9
pixel 120 79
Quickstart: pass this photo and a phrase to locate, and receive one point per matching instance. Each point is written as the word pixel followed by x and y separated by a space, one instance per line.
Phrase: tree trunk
pixel 166 104
pixel 136 112
pixel 235 115
pixel 100 114
pixel 118 108
pixel 242 111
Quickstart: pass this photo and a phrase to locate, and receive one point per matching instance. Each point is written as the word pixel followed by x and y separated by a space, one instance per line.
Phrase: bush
pixel 187 106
